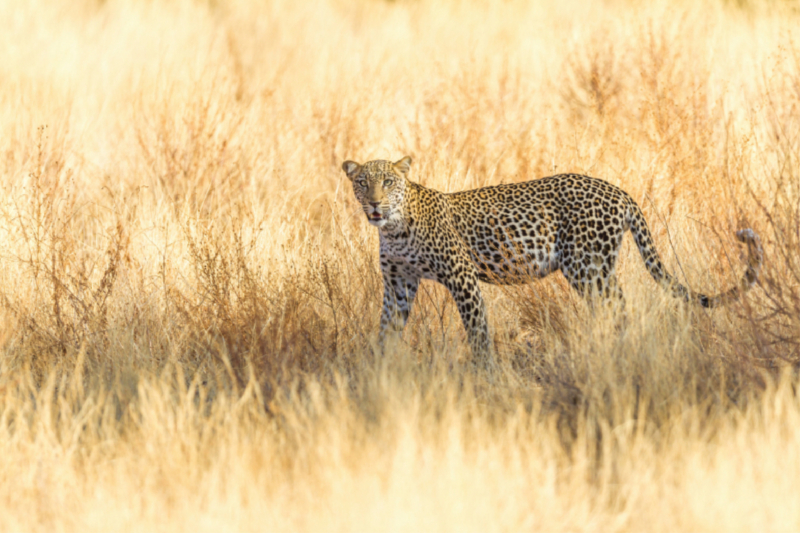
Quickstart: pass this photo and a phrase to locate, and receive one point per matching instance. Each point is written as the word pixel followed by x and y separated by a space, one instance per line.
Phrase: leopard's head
pixel 380 186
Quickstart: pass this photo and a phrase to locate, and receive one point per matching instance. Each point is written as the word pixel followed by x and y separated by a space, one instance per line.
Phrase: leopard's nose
pixel 374 204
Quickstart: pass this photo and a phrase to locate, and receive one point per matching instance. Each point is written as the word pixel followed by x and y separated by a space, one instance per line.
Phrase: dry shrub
pixel 595 80
pixel 190 149
pixel 773 338
pixel 66 316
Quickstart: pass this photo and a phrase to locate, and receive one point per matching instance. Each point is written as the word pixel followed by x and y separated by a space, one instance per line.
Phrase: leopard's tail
pixel 644 241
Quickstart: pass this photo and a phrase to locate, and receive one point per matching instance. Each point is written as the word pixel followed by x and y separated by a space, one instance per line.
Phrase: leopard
pixel 509 234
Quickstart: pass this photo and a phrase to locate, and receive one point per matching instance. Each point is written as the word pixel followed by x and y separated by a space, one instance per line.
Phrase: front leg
pixel 462 282
pixel 398 297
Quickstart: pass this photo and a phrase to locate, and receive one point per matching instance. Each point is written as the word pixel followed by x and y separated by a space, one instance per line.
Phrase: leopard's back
pixel 526 230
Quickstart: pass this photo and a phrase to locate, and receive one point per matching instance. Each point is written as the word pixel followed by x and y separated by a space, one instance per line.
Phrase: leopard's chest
pixel 409 256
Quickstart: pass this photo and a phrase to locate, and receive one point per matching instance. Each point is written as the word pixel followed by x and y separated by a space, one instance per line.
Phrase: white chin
pixel 379 223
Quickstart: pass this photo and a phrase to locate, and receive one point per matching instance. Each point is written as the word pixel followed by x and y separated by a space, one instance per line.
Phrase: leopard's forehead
pixel 378 168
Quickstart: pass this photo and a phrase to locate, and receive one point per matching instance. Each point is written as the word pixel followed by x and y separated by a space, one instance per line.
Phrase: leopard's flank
pixel 508 234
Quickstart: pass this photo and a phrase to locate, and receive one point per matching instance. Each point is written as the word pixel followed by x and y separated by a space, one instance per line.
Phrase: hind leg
pixel 599 291
pixel 596 280
pixel 611 291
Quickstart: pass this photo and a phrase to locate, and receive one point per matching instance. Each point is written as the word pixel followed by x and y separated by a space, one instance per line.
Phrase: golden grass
pixel 189 294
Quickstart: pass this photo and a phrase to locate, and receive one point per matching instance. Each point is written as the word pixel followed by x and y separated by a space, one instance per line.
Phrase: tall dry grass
pixel 189 295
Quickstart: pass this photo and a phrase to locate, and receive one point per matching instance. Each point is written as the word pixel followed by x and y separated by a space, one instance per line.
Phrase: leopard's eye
pixel 387 183
pixel 362 183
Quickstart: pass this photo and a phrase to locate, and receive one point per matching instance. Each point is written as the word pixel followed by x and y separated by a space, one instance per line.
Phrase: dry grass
pixel 189 295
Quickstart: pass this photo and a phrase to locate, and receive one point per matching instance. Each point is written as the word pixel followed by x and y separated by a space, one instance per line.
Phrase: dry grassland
pixel 189 294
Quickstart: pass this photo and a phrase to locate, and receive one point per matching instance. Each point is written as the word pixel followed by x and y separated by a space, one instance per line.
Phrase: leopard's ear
pixel 351 168
pixel 404 165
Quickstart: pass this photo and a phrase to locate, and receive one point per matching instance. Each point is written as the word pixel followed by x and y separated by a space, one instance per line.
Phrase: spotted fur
pixel 508 234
